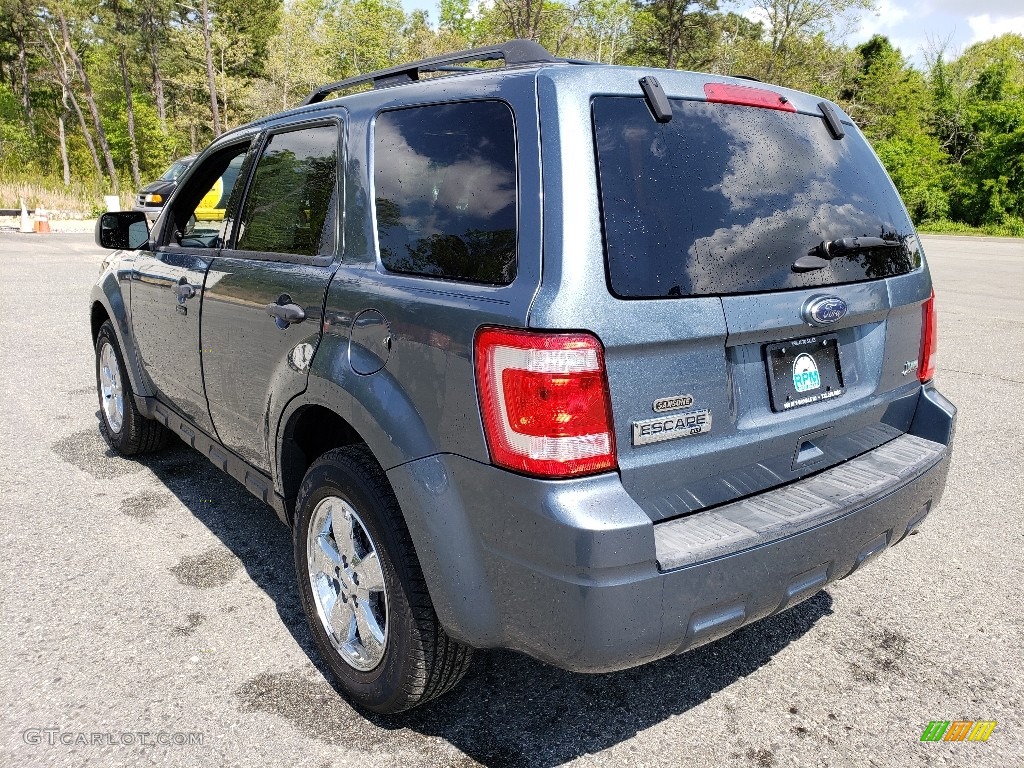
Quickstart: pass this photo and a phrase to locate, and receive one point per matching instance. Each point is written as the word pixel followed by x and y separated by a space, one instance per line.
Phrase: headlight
pixel 154 199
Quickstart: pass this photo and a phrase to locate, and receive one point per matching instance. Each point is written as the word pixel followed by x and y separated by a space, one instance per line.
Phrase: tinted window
pixel 289 207
pixel 723 199
pixel 176 169
pixel 445 182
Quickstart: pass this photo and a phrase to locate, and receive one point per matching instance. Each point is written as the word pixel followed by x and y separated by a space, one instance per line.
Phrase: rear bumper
pixel 575 574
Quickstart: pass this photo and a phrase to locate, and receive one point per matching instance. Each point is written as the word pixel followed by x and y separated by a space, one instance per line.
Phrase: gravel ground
pixel 156 597
pixel 12 224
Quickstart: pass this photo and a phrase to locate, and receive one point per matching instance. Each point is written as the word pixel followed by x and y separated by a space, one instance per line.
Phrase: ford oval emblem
pixel 824 310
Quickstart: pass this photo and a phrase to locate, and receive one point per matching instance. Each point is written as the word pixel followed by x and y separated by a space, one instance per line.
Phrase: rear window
pixel 723 199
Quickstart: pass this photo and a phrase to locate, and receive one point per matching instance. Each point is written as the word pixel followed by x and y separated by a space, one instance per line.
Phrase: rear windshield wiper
pixel 820 255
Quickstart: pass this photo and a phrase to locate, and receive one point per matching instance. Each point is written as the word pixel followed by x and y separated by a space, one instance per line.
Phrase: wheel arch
pixel 308 431
pixel 108 303
pixel 340 407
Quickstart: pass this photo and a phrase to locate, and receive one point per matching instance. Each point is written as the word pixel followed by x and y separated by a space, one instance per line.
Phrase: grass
pixel 75 201
pixel 1011 228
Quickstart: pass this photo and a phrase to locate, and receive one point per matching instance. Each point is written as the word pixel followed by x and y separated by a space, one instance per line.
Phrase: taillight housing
pixel 929 341
pixel 544 402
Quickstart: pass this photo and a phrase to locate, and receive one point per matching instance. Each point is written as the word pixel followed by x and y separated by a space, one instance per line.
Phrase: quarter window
pixel 291 202
pixel 445 185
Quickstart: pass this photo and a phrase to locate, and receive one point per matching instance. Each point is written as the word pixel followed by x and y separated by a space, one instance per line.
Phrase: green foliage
pixel 978 118
pixel 368 35
pixel 456 18
pixel 16 142
pixel 1011 228
pixel 918 168
pixel 254 23
pixel 159 148
pixel 676 33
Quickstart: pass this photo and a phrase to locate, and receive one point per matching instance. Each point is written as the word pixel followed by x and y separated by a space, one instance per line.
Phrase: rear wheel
pixel 128 431
pixel 363 590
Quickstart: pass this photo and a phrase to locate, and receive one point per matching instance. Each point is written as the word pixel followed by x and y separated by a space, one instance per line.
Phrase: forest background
pixel 98 97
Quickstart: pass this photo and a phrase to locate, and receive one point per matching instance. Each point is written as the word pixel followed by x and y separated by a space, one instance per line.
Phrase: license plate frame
pixel 792 385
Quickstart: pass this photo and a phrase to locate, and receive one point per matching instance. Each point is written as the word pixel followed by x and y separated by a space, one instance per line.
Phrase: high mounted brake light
pixel 723 93
pixel 544 402
pixel 929 341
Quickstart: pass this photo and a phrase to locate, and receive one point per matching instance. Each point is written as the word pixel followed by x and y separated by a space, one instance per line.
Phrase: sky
pixel 911 25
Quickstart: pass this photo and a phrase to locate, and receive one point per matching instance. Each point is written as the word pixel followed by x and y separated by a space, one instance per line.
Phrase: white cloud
pixel 985 27
pixel 756 15
pixel 888 15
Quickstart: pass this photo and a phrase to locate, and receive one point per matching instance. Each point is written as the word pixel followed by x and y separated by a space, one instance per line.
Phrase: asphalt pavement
pixel 149 616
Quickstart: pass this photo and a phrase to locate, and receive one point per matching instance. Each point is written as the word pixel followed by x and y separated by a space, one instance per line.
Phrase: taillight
pixel 929 342
pixel 544 402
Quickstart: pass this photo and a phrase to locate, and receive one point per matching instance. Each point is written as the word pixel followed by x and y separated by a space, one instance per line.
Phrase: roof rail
pixel 514 52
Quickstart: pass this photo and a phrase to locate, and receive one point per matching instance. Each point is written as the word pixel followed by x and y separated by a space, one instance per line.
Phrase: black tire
pixel 420 661
pixel 136 433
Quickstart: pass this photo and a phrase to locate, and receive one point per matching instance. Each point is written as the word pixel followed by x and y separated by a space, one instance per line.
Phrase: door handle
pixel 285 314
pixel 184 290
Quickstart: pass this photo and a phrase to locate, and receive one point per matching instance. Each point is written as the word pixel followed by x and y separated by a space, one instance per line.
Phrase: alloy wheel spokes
pixel 348 583
pixel 111 390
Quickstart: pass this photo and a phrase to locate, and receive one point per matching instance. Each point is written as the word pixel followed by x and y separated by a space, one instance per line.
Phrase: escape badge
pixel 668 427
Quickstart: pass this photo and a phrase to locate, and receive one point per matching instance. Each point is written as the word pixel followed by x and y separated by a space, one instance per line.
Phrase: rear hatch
pixel 769 372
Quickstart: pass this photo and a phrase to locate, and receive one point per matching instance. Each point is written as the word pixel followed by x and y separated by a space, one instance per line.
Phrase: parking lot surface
pixel 149 616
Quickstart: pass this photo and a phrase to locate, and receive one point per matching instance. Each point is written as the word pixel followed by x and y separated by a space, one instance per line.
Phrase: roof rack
pixel 514 53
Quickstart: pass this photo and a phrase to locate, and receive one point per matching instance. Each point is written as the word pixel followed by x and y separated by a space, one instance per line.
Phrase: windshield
pixel 177 168
pixel 723 199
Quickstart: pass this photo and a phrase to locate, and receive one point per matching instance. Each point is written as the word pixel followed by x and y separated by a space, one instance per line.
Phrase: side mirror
pixel 125 230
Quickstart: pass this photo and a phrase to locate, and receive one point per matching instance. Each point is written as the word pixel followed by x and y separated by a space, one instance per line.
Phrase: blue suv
pixel 597 363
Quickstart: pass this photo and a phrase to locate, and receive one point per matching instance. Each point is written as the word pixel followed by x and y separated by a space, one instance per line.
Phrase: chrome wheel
pixel 348 583
pixel 111 389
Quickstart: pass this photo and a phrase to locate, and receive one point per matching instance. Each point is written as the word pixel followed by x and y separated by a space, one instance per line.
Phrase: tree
pixel 299 57
pixel 456 18
pixel 16 21
pixel 155 19
pixel 789 22
pixel 367 35
pixel 676 32
pixel 206 26
pixel 979 118
pixel 891 103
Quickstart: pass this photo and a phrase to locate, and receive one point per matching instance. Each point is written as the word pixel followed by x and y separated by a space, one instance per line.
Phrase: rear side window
pixel 445 186
pixel 291 201
pixel 724 199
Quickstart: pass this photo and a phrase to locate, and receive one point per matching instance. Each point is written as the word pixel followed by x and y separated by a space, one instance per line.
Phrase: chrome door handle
pixel 184 290
pixel 285 314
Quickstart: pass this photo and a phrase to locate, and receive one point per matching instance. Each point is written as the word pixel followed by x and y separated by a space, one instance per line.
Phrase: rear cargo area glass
pixel 723 199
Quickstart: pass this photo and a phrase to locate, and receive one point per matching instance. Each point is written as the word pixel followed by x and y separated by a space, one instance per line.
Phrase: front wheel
pixel 125 428
pixel 363 590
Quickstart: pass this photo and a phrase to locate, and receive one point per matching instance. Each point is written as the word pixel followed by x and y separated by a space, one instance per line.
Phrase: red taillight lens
pixel 723 93
pixel 929 341
pixel 544 401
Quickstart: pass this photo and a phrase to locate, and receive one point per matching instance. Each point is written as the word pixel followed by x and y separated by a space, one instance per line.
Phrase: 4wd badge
pixel 805 373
